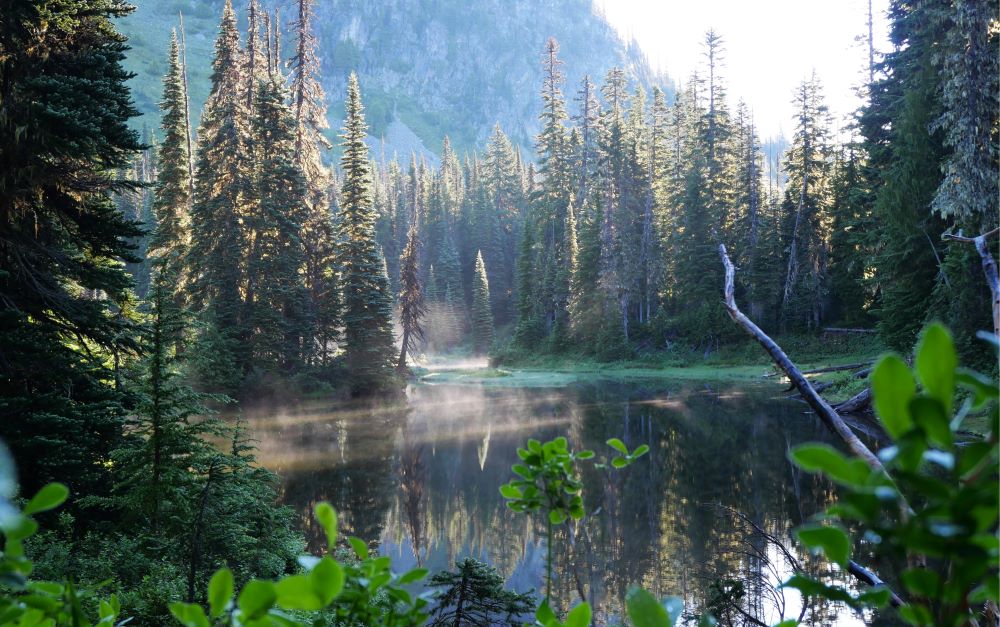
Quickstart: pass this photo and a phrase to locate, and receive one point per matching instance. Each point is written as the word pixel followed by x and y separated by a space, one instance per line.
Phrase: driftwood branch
pixel 826 413
pixel 989 267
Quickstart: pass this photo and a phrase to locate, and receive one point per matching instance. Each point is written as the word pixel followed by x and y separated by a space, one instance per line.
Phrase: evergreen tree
pixel 172 200
pixel 64 108
pixel 276 300
pixel 218 241
pixel 475 595
pixel 367 303
pixel 411 298
pixel 482 313
pixel 807 206
pixel 317 233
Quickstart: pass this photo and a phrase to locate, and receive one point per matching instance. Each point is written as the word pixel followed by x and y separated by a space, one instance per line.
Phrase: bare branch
pixel 989 267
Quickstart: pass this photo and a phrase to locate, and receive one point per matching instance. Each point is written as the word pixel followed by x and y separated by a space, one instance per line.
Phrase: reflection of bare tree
pixel 412 482
pixel 752 595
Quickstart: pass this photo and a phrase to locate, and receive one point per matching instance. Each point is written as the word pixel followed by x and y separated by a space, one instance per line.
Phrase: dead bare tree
pixel 989 267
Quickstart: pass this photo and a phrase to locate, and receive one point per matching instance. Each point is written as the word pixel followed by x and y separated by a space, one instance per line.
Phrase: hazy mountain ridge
pixel 427 69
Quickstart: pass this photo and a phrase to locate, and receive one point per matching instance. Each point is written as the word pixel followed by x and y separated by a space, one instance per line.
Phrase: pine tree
pixel 807 206
pixel 308 104
pixel 482 314
pixel 64 108
pixel 172 199
pixel 218 241
pixel 411 298
pixel 276 300
pixel 475 595
pixel 366 300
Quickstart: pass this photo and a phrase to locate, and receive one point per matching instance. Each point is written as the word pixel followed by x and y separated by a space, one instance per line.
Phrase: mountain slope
pixel 427 67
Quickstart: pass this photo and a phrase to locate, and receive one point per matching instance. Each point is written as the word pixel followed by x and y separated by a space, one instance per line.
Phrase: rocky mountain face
pixel 428 68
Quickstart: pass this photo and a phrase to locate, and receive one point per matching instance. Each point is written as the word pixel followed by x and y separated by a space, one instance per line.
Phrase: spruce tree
pixel 64 111
pixel 367 304
pixel 218 240
pixel 309 107
pixel 411 298
pixel 172 199
pixel 276 300
pixel 482 313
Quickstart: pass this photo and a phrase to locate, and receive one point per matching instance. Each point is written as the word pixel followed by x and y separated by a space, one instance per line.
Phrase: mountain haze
pixel 427 69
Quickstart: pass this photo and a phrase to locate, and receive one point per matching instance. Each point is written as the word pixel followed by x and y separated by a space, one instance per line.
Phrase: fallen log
pixel 842 330
pixel 859 402
pixel 863 364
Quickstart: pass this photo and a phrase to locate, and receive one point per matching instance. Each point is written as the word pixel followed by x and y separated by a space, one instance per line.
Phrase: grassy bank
pixel 745 361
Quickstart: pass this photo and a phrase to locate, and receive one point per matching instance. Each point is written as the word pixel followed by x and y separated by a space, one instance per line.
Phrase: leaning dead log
pixel 826 413
pixel 842 330
pixel 989 267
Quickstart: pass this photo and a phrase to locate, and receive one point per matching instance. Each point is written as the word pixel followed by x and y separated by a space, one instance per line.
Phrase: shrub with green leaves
pixel 25 602
pixel 932 515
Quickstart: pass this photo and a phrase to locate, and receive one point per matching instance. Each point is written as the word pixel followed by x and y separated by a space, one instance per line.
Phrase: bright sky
pixel 770 46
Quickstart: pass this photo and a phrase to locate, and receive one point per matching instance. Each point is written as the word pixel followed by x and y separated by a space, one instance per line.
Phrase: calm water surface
pixel 419 479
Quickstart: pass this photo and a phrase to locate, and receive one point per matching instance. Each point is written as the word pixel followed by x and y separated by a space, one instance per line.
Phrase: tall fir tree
pixel 172 199
pixel 64 111
pixel 367 316
pixel 218 240
pixel 318 233
pixel 482 313
pixel 411 298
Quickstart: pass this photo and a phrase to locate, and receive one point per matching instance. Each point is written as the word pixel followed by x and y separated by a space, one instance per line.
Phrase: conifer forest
pixel 467 313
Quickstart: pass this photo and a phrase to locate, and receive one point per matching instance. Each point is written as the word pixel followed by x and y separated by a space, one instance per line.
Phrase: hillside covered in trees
pixel 557 201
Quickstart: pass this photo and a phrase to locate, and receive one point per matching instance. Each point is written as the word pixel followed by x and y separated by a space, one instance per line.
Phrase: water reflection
pixel 420 479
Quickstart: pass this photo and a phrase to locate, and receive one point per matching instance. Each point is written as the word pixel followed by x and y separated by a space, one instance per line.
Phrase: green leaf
pixel 585 455
pixel 189 614
pixel 327 580
pixel 832 540
pixel 618 445
pixel 544 613
pixel 982 386
pixel 51 496
pixel 579 616
pixel 641 450
pixel 826 459
pixel 359 546
pixel 936 362
pixel 811 588
pixel 296 592
pixel 256 598
pixel 892 388
pixel 646 611
pixel 414 575
pixel 220 590
pixel 930 415
pixel 510 492
pixel 557 517
pixel 619 462
pixel 922 582
pixel 327 517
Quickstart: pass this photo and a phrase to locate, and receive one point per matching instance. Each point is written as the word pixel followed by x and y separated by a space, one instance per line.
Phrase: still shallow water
pixel 419 478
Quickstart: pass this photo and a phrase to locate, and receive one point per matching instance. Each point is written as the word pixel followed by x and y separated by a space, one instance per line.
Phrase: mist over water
pixel 419 478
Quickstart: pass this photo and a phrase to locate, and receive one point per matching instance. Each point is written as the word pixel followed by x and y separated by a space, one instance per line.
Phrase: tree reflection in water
pixel 420 480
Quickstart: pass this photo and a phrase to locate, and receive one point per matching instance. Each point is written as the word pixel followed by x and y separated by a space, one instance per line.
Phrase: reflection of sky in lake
pixel 421 479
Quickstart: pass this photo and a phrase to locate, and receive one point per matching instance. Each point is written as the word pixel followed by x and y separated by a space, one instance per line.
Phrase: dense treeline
pixel 254 263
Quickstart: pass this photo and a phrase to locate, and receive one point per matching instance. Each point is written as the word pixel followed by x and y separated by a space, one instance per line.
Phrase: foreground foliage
pixel 933 517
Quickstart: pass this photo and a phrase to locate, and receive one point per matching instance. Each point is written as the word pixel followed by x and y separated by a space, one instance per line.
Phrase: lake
pixel 419 479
